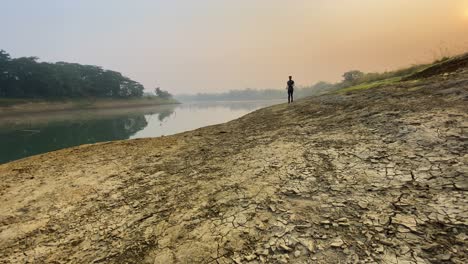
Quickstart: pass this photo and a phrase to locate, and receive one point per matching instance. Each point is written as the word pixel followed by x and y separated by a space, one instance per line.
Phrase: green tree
pixel 4 61
pixel 352 76
pixel 26 78
pixel 162 94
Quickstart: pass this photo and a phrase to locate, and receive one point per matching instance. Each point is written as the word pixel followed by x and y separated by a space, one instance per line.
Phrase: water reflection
pixel 27 142
pixel 190 116
pixel 26 135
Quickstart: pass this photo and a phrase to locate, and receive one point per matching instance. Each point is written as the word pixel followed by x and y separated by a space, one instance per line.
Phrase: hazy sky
pixel 213 45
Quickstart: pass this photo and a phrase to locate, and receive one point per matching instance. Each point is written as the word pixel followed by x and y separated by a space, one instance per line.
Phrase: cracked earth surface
pixel 366 177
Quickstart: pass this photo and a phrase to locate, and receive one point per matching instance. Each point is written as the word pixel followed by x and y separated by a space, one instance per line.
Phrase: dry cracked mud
pixel 377 176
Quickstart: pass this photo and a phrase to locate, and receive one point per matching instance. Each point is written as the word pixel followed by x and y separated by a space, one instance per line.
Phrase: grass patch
pixel 370 85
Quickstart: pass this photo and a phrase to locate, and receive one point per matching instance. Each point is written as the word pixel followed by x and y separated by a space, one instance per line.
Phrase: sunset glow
pixel 212 45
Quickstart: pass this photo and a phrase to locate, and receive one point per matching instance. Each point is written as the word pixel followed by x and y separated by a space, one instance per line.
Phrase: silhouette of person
pixel 290 90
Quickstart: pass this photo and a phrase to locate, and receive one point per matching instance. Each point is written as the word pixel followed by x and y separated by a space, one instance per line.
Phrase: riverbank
pixel 375 175
pixel 9 107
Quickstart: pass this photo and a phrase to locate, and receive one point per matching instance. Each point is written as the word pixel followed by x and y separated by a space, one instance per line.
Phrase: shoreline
pixel 51 106
pixel 43 118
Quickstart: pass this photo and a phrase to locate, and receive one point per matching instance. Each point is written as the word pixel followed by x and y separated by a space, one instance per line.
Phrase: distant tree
pixel 4 55
pixel 316 89
pixel 4 61
pixel 162 94
pixel 109 81
pixel 26 77
pixel 352 76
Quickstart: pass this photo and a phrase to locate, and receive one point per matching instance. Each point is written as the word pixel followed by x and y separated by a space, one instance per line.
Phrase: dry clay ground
pixel 372 176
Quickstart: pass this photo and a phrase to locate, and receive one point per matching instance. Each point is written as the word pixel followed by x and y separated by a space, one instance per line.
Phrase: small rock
pixel 284 247
pixel 379 249
pixel 250 257
pixel 237 260
pixel 363 205
pixel 297 253
pixel 263 252
pixel 308 244
pixel 338 204
pixel 444 257
pixel 272 208
pixel 406 221
pixel 283 259
pixel 337 242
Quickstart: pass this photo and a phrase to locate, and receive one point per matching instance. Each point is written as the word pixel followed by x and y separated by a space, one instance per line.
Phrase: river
pixel 26 135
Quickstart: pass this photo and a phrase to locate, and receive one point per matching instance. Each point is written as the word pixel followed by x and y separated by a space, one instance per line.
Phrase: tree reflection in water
pixel 31 135
pixel 26 135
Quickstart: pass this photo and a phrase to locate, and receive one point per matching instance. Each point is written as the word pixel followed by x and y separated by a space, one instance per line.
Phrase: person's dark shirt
pixel 290 84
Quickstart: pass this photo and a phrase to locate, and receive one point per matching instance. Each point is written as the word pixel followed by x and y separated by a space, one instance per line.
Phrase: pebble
pixel 444 257
pixel 337 242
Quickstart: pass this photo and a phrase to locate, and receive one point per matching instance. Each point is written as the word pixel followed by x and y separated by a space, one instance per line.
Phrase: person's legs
pixel 292 96
pixel 289 97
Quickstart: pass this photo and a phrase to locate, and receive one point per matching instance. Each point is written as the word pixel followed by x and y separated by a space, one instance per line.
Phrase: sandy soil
pixel 371 176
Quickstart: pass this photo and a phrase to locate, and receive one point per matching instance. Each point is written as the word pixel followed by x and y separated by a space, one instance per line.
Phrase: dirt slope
pixel 445 67
pixel 375 176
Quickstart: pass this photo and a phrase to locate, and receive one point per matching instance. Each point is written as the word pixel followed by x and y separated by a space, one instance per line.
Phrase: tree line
pixel 257 94
pixel 25 77
pixel 350 78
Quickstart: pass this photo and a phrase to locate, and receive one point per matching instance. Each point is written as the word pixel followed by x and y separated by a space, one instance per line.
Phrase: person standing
pixel 290 90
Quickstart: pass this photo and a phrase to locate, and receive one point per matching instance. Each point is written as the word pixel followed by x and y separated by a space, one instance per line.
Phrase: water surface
pixel 26 135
